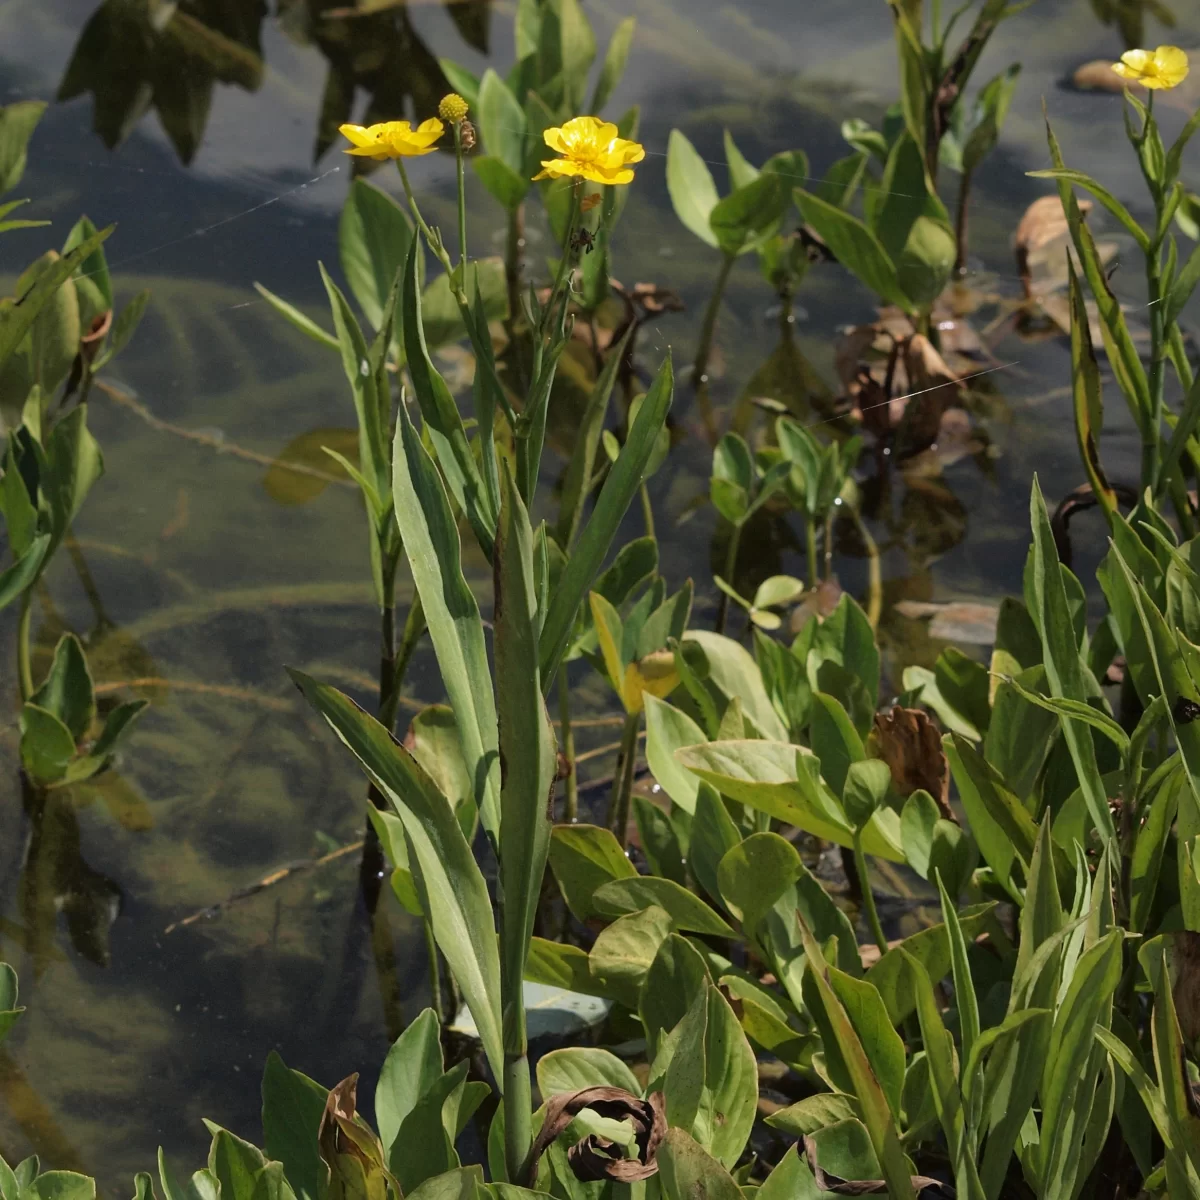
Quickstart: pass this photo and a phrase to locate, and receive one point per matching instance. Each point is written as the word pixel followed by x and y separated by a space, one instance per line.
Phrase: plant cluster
pixel 1043 1035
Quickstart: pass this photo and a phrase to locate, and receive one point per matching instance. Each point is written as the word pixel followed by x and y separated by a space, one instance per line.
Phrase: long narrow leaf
pixel 455 893
pixel 527 754
pixel 1064 668
pixel 431 543
pixel 614 500
pixel 442 418
pixel 877 1115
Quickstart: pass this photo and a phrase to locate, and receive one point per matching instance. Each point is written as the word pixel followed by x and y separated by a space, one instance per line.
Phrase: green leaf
pixel 527 750
pixel 454 894
pixel 1064 670
pixel 931 948
pixel 732 671
pixel 292 1107
pixel 505 185
pixel 17 123
pixel 578 479
pixel 613 66
pixel 711 1084
pixel 873 1101
pixel 999 822
pixel 578 1067
pixel 291 313
pixel 67 690
pixel 1114 206
pixel 939 1048
pixel 781 779
pixel 713 834
pixel 431 544
pixel 235 1164
pixel 1072 1041
pixel 412 1066
pixel 502 123
pixel 442 418
pixel 597 535
pixel 374 238
pixel 687 910
pixel 18 314
pixel 372 445
pixel 623 953
pixel 15 578
pixel 463 1183
pixel 748 213
pixel 667 730
pixel 124 327
pixel 583 859
pixel 47 746
pixel 854 246
pixel 689 1172
pixel 61 1185
pixel 754 874
pixel 690 183
pixel 560 965
pixel 678 976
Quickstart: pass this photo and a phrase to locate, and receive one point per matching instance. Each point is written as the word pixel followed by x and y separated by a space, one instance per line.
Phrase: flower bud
pixel 453 108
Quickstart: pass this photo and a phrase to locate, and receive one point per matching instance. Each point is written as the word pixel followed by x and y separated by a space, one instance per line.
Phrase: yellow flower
pixel 1166 67
pixel 393 139
pixel 590 149
pixel 452 108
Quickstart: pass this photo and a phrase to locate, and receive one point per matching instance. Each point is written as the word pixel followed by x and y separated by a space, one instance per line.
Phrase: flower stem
pixel 869 909
pixel 618 814
pixel 24 666
pixel 810 544
pixel 647 509
pixel 564 261
pixel 571 806
pixel 704 350
pixel 960 224
pixel 462 201
pixel 731 554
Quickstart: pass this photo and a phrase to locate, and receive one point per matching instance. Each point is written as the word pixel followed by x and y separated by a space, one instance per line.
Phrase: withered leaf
pixel 594 1157
pixel 908 740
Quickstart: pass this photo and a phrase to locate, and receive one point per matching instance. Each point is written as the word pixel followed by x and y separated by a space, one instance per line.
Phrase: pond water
pixel 199 571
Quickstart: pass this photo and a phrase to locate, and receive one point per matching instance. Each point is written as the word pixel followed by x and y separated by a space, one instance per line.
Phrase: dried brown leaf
pixel 909 741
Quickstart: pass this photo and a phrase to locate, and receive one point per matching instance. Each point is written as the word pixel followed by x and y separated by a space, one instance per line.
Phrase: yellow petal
pixel 377 152
pixel 1134 64
pixel 554 139
pixel 1172 65
pixel 432 126
pixel 356 134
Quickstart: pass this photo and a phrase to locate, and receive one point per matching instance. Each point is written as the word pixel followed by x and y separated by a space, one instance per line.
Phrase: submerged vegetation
pixel 750 1029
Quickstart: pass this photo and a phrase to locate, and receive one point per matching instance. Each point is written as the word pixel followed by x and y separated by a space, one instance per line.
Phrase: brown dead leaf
pixel 594 1157
pixel 932 388
pixel 911 744
pixel 869 953
pixel 957 621
pixel 1099 76
pixel 1183 958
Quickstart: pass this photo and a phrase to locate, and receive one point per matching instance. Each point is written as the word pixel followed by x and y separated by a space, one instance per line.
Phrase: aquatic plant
pixel 1166 452
pixel 56 333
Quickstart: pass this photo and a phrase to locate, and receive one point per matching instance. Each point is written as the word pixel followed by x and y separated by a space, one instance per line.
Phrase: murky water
pixel 198 573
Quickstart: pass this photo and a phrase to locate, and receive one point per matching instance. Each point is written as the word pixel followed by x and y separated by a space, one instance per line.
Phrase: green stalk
pixel 462 201
pixel 618 810
pixel 869 909
pixel 704 350
pixel 1151 447
pixel 571 807
pixel 518 1108
pixel 513 260
pixel 563 263
pixel 647 509
pixel 24 666
pixel 731 555
pixel 810 545
pixel 433 958
pixel 960 224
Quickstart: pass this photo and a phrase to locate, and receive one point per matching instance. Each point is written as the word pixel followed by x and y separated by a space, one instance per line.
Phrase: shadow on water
pixel 223 544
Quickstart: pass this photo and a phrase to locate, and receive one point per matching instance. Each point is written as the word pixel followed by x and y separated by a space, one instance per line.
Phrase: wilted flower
pixel 1166 67
pixel 452 108
pixel 590 149
pixel 393 139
